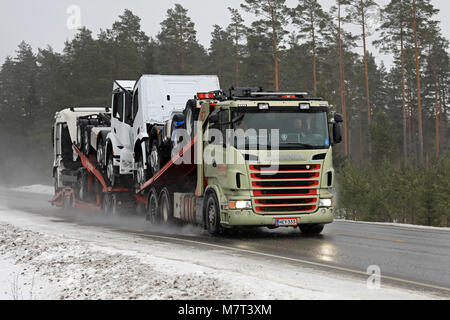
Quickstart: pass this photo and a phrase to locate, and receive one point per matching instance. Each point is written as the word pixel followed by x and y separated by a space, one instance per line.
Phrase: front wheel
pixel 212 214
pixel 155 159
pixel 100 154
pixel 141 172
pixel 189 119
pixel 311 228
pixel 110 172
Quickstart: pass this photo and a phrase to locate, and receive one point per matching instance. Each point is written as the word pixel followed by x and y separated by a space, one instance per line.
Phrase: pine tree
pixel 176 38
pixel 221 53
pixel 311 20
pixel 393 33
pixel 274 20
pixel 237 31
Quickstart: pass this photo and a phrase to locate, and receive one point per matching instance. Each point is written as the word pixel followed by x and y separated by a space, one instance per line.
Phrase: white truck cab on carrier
pixel 144 117
pixel 64 135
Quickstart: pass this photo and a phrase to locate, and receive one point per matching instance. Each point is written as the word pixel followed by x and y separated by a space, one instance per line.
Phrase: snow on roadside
pixel 74 271
pixel 69 261
pixel 37 188
pixel 415 226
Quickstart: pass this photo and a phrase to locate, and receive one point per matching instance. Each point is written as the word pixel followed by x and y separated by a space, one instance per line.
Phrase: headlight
pixel 240 204
pixel 326 203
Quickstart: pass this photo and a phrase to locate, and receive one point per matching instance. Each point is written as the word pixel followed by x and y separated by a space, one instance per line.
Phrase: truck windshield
pixel 285 130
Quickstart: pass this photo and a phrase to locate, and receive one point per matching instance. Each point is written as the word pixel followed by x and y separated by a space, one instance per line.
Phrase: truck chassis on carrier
pixel 295 194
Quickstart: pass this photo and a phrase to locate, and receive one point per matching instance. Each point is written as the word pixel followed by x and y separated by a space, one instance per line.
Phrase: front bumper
pixel 235 218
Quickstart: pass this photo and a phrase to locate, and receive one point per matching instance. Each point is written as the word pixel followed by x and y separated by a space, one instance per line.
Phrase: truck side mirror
pixel 337 132
pixel 338 118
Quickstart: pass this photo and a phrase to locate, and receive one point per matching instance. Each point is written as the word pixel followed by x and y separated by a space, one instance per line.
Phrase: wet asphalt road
pixel 408 257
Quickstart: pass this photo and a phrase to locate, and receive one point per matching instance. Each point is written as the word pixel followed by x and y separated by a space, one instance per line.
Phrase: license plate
pixel 286 222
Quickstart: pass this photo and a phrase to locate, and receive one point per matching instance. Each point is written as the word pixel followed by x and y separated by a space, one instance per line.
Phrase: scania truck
pixel 257 159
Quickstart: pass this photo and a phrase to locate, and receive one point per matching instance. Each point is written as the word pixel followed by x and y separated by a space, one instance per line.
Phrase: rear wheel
pixel 165 206
pixel 84 186
pixel 109 204
pixel 152 207
pixel 311 228
pixel 212 214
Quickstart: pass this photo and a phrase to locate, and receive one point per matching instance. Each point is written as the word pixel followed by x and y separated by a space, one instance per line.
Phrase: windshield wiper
pixel 302 145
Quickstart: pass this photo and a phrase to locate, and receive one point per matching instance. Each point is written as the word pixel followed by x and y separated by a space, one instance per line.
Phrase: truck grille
pixel 285 189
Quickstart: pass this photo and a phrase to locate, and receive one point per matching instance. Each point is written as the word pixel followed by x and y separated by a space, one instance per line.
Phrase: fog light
pixel 324 211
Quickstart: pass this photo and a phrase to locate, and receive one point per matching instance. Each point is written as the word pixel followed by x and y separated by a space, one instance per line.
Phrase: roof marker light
pixel 304 106
pixel 263 106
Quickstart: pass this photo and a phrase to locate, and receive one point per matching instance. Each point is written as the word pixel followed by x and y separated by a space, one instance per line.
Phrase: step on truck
pixel 257 159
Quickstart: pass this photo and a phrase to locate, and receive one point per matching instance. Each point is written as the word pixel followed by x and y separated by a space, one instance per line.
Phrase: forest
pixel 394 162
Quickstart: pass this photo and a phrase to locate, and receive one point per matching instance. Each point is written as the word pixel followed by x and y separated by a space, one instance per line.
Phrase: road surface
pixel 412 258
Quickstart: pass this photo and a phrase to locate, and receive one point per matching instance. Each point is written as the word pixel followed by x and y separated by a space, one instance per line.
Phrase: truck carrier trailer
pixel 257 159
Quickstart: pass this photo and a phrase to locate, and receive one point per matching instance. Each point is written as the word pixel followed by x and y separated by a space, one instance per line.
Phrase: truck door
pixel 215 149
pixel 120 122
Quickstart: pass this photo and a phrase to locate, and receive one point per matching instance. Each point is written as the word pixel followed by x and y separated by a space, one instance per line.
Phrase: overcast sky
pixel 48 22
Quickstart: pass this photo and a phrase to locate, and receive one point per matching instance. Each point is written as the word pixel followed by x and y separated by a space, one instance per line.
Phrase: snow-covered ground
pixel 41 258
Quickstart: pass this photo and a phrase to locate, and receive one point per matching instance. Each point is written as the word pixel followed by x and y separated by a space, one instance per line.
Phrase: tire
pixel 189 118
pixel 311 229
pixel 152 211
pixel 110 172
pixel 86 143
pixel 165 207
pixel 79 137
pixel 108 205
pixel 141 172
pixel 100 154
pixel 84 186
pixel 155 158
pixel 212 214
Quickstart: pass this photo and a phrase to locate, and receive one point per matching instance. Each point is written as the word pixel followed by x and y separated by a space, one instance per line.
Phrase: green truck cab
pixel 266 160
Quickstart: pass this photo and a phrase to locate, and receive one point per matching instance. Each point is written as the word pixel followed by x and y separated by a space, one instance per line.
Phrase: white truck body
pixel 66 123
pixel 156 98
